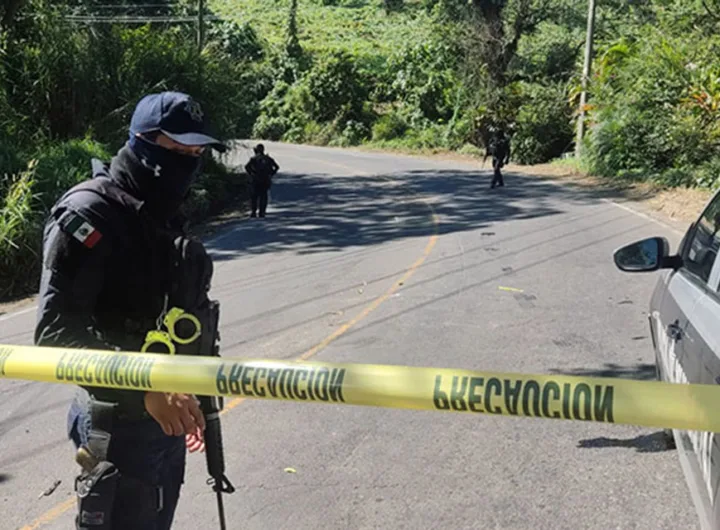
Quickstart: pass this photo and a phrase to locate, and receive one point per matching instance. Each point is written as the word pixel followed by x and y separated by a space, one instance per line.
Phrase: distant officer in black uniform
pixel 107 279
pixel 499 148
pixel 261 168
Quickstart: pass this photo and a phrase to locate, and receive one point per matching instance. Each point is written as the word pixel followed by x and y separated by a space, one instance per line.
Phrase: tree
pixel 490 32
pixel 292 42
pixel 499 26
pixel 392 5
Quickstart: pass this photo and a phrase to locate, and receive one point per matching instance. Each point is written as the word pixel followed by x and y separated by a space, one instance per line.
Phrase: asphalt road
pixel 315 278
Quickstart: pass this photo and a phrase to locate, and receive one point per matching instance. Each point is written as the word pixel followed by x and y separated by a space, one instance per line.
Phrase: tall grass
pixel 20 234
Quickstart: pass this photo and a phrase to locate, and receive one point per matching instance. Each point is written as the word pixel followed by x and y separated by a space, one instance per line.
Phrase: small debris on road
pixel 50 490
pixel 511 289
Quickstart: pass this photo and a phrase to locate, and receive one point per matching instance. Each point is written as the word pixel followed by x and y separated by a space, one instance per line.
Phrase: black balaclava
pixel 156 175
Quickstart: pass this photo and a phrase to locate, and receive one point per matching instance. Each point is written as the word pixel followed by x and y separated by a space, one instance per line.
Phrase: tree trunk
pixel 9 11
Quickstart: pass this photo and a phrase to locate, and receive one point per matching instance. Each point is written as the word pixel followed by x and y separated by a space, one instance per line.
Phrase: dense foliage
pixel 68 89
pixel 443 73
pixel 656 97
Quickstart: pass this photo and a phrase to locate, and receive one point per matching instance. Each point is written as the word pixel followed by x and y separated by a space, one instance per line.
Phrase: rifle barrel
pixel 221 510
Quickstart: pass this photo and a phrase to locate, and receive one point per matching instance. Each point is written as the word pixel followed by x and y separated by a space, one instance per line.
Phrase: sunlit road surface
pixel 513 279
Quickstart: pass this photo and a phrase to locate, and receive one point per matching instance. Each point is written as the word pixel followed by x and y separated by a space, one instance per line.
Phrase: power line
pixel 126 6
pixel 100 19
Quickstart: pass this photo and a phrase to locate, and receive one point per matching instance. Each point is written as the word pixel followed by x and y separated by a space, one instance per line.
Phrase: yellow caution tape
pixel 607 400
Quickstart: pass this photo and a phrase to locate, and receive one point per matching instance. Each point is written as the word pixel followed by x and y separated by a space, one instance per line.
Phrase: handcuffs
pixel 174 321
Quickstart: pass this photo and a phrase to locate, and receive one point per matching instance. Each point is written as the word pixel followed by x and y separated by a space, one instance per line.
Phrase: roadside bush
pixel 544 127
pixel 388 127
pixel 335 88
pixel 354 133
pixel 215 189
pixel 62 165
pixel 656 109
pixel 421 78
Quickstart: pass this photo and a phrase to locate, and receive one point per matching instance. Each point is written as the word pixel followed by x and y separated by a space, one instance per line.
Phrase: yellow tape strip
pixel 652 404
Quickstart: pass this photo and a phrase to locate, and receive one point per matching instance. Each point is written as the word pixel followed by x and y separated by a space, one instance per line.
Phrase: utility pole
pixel 201 25
pixel 585 76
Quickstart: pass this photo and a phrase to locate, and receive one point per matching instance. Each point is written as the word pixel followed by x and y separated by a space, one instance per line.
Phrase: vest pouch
pixel 208 315
pixel 192 274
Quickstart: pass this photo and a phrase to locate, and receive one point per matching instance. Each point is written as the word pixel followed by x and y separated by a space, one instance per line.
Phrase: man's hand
pixel 195 441
pixel 177 414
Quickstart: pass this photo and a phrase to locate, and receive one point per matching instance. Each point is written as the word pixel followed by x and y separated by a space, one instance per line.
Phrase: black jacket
pixel 105 269
pixel 261 169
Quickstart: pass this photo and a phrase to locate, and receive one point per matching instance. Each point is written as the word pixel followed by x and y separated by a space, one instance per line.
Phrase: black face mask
pixel 166 183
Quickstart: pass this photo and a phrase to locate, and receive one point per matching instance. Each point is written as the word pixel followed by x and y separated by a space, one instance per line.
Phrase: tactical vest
pixel 156 269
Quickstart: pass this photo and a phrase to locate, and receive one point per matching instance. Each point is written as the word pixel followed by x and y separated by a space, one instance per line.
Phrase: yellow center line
pixel 60 509
pixel 51 515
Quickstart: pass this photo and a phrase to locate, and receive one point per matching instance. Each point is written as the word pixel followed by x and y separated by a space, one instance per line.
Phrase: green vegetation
pixel 67 92
pixel 439 74
pixel 410 74
pixel 657 98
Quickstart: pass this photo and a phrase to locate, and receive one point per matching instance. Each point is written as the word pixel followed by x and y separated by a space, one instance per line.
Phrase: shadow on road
pixel 646 443
pixel 312 213
pixel 639 371
pixel 4 477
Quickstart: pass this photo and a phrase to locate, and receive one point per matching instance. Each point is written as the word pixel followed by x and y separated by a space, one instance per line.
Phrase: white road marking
pixel 17 313
pixel 645 216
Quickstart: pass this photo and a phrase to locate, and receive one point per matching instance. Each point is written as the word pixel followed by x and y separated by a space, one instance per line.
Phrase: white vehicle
pixel 685 328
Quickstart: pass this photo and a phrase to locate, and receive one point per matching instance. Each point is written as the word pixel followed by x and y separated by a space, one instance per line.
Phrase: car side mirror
pixel 645 256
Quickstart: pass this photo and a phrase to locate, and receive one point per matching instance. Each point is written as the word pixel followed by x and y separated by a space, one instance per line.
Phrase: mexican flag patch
pixel 83 231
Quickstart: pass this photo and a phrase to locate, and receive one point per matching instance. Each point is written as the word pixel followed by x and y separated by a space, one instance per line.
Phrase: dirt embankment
pixel 675 205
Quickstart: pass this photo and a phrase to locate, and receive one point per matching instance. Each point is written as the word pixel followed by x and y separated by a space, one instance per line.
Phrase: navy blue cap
pixel 177 116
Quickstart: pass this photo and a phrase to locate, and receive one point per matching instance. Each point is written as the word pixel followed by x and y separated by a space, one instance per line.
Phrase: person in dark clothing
pixel 107 279
pixel 261 168
pixel 499 148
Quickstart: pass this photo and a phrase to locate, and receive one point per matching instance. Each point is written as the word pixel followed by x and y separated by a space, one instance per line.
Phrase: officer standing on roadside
pixel 261 168
pixel 108 260
pixel 499 148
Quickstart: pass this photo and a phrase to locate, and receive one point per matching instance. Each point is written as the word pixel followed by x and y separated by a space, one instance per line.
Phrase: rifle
pixel 193 272
pixel 211 407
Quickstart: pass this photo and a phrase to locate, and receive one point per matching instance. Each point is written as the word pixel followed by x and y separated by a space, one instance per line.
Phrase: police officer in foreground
pixel 261 168
pixel 114 262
